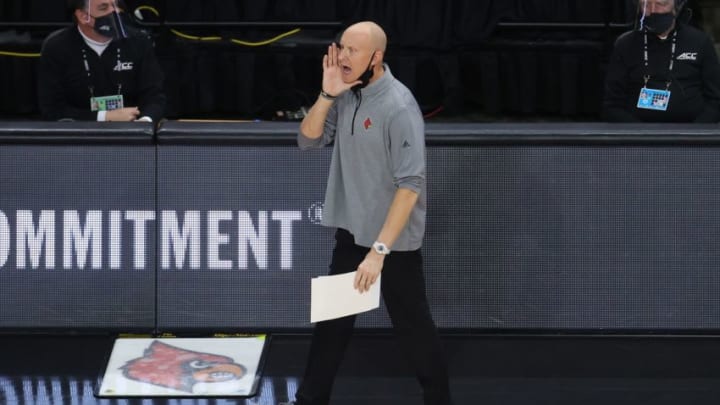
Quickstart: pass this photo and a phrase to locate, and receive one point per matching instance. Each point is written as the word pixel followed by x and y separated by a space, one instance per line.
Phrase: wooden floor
pixel 486 369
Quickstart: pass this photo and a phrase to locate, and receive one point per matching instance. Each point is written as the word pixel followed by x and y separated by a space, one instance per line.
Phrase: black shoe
pixel 287 403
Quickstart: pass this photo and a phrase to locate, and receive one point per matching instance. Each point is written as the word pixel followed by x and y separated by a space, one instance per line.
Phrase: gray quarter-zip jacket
pixel 379 146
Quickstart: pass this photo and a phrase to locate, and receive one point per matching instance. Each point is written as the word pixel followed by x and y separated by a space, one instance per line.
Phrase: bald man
pixel 375 198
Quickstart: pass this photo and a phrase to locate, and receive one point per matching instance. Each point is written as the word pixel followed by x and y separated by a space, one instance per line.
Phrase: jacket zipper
pixel 357 107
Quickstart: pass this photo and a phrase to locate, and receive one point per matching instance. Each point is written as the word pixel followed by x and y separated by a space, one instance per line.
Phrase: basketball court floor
pixel 484 369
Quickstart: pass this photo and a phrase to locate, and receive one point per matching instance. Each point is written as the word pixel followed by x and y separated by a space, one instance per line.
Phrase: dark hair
pixel 678 5
pixel 76 4
pixel 82 4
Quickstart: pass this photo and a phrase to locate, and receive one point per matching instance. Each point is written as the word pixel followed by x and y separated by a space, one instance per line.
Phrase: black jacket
pixel 695 88
pixel 63 88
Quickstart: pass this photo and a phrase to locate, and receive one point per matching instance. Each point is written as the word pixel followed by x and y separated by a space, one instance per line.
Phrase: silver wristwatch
pixel 381 248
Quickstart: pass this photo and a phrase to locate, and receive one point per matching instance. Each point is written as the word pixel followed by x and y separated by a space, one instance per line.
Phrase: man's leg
pixel 403 288
pixel 329 341
pixel 330 338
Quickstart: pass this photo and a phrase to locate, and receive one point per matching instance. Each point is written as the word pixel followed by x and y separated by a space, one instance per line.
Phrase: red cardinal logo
pixel 367 123
pixel 181 369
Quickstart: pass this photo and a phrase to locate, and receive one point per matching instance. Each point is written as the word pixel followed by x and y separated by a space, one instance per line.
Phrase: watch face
pixel 381 248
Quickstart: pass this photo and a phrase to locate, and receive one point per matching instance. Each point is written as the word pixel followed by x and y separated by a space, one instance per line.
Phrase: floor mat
pixel 184 367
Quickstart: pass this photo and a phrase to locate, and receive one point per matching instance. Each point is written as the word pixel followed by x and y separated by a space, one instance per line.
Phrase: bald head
pixel 362 50
pixel 373 32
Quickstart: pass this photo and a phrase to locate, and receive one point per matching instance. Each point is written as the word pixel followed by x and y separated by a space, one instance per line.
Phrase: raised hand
pixel 332 82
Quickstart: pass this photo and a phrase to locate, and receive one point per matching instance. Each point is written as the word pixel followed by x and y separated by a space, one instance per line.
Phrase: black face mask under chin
pixel 366 76
pixel 110 26
pixel 659 23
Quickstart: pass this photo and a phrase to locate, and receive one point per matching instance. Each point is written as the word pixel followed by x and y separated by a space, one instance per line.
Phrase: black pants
pixel 403 289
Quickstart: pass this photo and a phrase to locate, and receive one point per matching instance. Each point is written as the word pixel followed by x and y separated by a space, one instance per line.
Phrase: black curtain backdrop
pixel 450 53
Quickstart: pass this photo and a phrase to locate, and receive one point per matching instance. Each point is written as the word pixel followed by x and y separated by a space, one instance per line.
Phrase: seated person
pixel 94 70
pixel 665 71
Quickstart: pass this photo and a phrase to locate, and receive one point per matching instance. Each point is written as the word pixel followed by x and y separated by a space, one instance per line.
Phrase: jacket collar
pixel 379 85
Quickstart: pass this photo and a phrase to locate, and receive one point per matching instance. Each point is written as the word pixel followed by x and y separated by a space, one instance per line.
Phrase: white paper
pixel 334 297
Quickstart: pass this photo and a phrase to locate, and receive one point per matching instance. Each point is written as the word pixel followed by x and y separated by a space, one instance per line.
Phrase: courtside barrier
pixel 214 227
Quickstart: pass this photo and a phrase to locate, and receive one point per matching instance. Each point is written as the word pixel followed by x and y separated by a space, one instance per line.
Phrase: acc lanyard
pixel 672 60
pixel 89 75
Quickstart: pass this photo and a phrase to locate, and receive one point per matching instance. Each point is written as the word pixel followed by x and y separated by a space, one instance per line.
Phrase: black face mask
pixel 110 26
pixel 659 23
pixel 366 76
